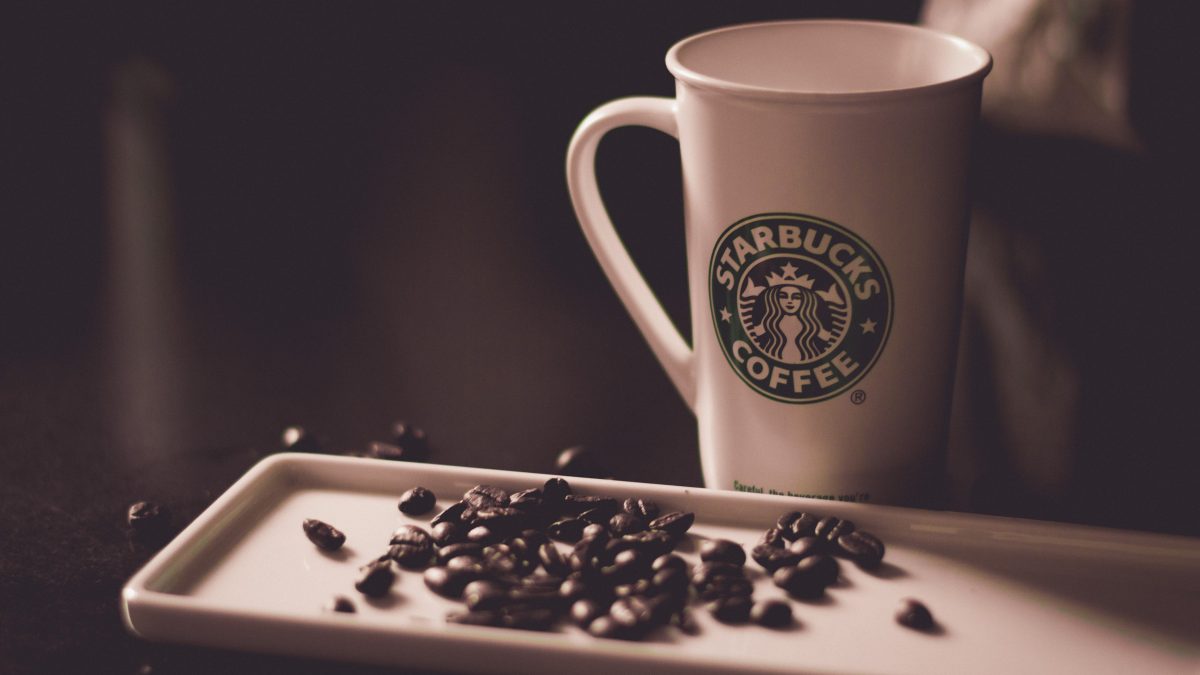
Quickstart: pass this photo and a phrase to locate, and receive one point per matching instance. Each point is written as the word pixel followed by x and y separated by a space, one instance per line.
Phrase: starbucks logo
pixel 802 306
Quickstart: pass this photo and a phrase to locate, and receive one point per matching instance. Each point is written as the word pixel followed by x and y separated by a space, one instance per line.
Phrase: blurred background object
pixel 220 220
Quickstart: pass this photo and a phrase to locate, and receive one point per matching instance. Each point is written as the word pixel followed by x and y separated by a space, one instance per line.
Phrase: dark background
pixel 349 214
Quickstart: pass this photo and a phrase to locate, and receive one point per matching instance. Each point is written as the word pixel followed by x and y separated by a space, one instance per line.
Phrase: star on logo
pixel 725 315
pixel 867 326
pixel 789 270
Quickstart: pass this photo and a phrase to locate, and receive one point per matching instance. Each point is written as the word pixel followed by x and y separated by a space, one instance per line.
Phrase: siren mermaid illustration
pixel 790 321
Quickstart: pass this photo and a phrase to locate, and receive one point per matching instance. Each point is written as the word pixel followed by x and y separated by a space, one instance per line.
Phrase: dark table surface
pixel 228 223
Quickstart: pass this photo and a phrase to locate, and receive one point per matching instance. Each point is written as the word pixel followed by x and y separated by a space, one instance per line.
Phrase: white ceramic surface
pixel 857 128
pixel 1011 595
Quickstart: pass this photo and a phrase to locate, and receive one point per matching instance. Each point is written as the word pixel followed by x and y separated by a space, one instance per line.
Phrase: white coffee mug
pixel 824 179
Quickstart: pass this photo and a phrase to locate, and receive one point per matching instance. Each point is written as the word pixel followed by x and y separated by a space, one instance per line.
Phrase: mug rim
pixel 700 80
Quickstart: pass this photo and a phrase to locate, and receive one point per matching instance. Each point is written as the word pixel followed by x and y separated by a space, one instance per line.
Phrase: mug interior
pixel 829 59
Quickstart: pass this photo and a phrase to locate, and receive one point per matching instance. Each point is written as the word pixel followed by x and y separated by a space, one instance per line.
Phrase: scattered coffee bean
pixel 482 534
pixel 676 524
pixel 376 578
pixel 596 531
pixel 341 604
pixel 803 584
pixel 484 595
pixel 552 560
pixel 631 611
pixel 609 628
pixel 568 529
pixel 446 533
pixel 803 525
pixel 297 439
pixel 771 558
pixel 417 501
pixel 669 561
pixel 644 509
pixel 670 580
pixel 722 550
pixel 450 583
pixel 773 537
pixel 151 521
pixel 411 440
pixel 830 528
pixel 579 461
pixel 863 548
pixel 411 535
pixel 409 556
pixel 485 496
pixel 625 523
pixel 585 610
pixel 576 504
pixel 458 513
pixel 555 490
pixel 771 613
pixel 324 535
pixel 806 546
pixel 914 615
pixel 446 553
pixel 733 609
pixel 527 500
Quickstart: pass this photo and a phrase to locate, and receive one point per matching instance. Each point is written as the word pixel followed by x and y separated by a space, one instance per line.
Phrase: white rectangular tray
pixel 1010 595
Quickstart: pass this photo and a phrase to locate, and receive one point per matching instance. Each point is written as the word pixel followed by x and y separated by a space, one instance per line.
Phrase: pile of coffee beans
pixel 540 557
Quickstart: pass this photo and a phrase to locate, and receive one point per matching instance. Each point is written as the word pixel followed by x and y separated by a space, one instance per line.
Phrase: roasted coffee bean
pixel 625 523
pixel 484 496
pixel 830 528
pixel 485 594
pixel 807 579
pixel 526 500
pixel 915 615
pixel 824 567
pixel 596 516
pixel 341 604
pixel 297 439
pixel 446 533
pixel 411 535
pixel 417 502
pixel 151 521
pixel 596 531
pixel 652 543
pixel 466 562
pixel 642 587
pixel 450 583
pixel 555 490
pixel 631 611
pixel 803 525
pixel 771 613
pixel 322 534
pixel 520 547
pixel 458 513
pixel 552 560
pixel 579 461
pixel 446 553
pixel 502 519
pixel 644 509
pixel 669 561
pixel 670 580
pixel 807 546
pixel 773 537
pixel 574 504
pixel 381 450
pixel 734 609
pixel 411 440
pixel 479 618
pixel 725 587
pixel 482 534
pixel 722 550
pixel 863 548
pixel 568 530
pixel 375 579
pixel 585 610
pixel 547 598
pixel 586 556
pixel 676 523
pixel 609 628
pixel 771 558
pixel 409 556
pixel 705 573
pixel 534 538
pixel 575 587
pixel 627 566
pixel 501 562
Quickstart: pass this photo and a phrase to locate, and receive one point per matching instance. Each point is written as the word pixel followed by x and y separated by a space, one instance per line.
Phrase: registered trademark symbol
pixel 858 396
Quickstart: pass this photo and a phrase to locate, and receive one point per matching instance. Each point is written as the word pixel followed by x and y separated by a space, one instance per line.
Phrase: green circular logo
pixel 802 306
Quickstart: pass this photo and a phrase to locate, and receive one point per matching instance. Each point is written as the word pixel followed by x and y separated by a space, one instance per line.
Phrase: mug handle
pixel 665 341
